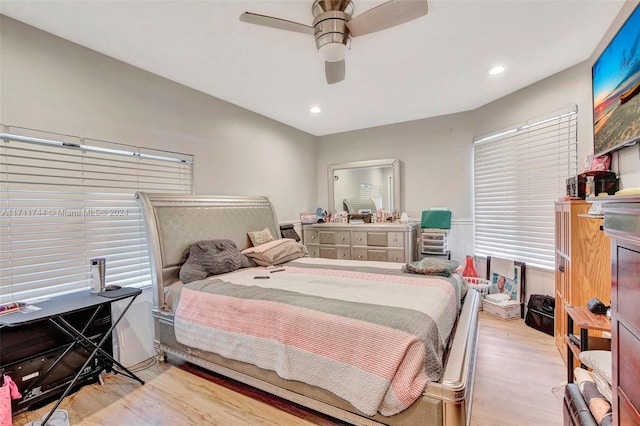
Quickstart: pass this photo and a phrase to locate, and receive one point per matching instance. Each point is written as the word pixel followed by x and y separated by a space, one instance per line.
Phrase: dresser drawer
pixel 377 239
pixel 628 361
pixel 395 239
pixel 359 238
pixel 313 251
pixel 379 255
pixel 311 236
pixel 628 287
pixel 335 237
pixel 395 255
pixel 335 252
pixel 359 253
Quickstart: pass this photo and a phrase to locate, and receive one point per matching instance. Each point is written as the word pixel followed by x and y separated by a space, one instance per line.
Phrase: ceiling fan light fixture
pixel 333 52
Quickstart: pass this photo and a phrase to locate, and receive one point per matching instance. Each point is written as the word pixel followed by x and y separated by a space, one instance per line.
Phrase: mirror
pixel 359 181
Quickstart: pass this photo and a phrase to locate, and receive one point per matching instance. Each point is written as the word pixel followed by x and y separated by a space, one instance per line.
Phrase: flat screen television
pixel 616 90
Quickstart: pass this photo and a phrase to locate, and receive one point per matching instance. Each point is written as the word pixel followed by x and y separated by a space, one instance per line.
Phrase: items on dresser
pixel 392 242
pixel 603 182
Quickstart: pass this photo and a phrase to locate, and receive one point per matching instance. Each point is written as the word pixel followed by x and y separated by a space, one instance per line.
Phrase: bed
pixel 175 222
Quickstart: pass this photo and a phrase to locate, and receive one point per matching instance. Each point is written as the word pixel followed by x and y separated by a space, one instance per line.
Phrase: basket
pixel 481 285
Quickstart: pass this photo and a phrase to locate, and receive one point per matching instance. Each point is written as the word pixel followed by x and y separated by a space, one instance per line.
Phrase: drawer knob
pixel 360 256
pixel 342 255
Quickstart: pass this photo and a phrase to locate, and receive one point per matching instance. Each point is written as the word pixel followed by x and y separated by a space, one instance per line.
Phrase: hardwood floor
pixel 516 371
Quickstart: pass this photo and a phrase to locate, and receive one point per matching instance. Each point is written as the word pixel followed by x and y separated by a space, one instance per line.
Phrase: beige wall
pixel 50 84
pixel 435 155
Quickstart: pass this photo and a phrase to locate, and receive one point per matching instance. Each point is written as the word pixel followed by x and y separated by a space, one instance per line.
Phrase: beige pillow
pixel 276 252
pixel 260 237
pixel 599 362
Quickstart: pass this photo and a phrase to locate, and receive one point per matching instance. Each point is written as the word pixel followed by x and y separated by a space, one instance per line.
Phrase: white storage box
pixel 505 310
pixel 433 241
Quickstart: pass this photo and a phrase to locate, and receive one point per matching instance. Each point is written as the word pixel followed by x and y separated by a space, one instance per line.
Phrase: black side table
pixel 54 309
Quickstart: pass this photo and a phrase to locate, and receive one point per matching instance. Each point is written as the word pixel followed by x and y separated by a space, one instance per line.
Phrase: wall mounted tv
pixel 616 90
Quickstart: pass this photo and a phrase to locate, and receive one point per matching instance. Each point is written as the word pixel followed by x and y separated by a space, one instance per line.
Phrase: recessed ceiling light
pixel 496 70
pixel 315 110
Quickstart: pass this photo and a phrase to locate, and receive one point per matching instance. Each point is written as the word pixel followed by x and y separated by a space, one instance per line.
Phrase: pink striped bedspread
pixel 365 331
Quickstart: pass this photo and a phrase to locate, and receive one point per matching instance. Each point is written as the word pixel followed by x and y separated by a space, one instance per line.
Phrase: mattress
pixel 365 331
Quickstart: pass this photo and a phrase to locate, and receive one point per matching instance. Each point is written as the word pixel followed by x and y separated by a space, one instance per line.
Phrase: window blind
pixel 372 192
pixel 518 174
pixel 67 200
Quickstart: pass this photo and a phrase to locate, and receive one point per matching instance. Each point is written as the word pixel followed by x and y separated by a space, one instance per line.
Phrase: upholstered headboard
pixel 174 222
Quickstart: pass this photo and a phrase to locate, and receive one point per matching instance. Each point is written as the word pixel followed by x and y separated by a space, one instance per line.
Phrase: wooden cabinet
pixel 380 242
pixel 583 263
pixel 622 224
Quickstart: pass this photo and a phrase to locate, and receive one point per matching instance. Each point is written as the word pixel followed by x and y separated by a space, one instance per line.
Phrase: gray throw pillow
pixel 212 257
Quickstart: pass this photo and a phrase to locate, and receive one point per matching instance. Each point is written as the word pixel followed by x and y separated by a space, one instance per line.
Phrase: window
pixel 371 192
pixel 65 200
pixel 518 174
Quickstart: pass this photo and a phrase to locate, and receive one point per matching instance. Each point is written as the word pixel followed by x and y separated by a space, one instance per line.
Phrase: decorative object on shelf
pixel 469 268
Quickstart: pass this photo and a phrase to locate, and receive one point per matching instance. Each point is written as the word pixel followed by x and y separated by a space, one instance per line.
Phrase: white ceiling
pixel 430 66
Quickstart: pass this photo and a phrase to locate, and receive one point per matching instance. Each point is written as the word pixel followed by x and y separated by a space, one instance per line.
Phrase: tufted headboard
pixel 174 222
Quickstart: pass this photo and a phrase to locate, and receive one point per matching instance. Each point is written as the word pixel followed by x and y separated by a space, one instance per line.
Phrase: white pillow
pixel 599 362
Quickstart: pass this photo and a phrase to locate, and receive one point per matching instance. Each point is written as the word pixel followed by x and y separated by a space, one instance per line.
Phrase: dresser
pixel 583 264
pixel 379 241
pixel 622 224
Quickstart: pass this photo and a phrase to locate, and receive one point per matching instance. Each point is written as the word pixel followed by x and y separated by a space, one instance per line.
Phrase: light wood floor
pixel 516 371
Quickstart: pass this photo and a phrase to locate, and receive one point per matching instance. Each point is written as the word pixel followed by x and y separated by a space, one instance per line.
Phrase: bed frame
pixel 174 222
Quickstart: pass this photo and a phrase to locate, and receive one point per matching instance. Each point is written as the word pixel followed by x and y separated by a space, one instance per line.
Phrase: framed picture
pixel 514 287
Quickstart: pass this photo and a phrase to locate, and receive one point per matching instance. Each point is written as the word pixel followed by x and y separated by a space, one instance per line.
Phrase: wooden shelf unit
pixel 585 320
pixel 583 264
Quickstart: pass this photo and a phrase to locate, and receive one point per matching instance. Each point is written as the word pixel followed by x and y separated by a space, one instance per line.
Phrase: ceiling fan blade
pixel 270 21
pixel 387 15
pixel 334 71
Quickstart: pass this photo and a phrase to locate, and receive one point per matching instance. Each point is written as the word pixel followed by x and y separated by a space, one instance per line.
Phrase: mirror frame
pixel 394 163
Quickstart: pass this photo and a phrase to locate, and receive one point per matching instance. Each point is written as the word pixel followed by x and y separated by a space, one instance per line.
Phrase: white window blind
pixel 64 201
pixel 371 192
pixel 518 174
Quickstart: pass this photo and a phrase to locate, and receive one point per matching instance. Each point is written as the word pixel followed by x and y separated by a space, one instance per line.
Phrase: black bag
pixel 540 313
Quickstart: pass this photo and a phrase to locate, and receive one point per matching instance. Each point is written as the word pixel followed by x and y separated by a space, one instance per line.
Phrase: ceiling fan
pixel 333 26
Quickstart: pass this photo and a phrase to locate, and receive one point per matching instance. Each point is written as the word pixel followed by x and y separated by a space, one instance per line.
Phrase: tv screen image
pixel 616 89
